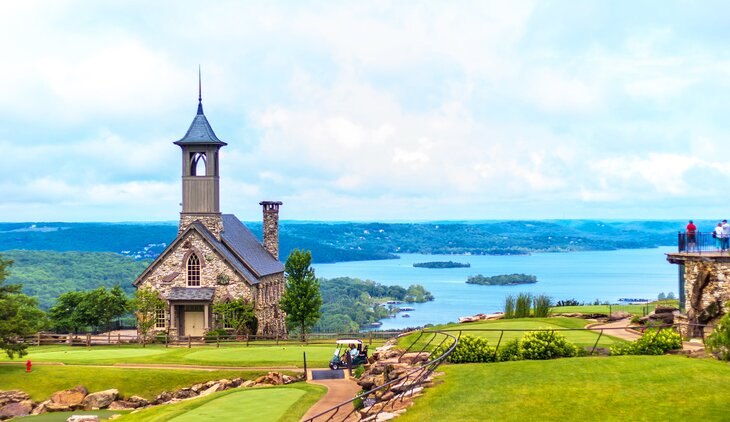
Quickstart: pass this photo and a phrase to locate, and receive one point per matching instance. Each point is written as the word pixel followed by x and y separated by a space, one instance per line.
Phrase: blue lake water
pixel 584 276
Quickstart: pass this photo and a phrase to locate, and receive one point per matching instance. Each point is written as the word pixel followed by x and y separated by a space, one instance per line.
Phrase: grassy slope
pixel 46 380
pixel 491 330
pixel 287 403
pixel 633 388
pixel 604 309
pixel 290 355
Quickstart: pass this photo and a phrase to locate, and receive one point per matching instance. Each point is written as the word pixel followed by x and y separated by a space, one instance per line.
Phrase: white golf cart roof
pixel 349 341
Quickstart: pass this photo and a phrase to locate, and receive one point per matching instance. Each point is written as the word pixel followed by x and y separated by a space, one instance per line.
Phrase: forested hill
pixel 332 242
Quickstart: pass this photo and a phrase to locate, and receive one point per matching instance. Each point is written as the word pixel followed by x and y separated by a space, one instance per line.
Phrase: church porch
pixel 190 311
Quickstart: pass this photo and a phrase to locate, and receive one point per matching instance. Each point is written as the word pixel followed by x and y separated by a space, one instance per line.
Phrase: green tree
pixel 65 314
pixel 301 300
pixel 145 304
pixel 237 314
pixel 18 318
pixel 100 306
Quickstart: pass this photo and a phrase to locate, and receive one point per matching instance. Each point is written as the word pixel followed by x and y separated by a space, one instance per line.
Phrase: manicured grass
pixel 518 327
pixel 253 356
pixel 63 416
pixel 635 388
pixel 46 380
pixel 604 309
pixel 287 403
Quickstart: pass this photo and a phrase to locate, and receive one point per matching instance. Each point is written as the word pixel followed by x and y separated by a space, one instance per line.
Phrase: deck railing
pixel 701 242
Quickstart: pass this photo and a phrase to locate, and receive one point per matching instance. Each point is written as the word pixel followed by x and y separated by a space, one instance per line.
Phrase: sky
pixel 368 110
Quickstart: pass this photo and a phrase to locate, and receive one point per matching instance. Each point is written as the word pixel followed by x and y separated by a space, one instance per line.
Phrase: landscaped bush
pixel 538 345
pixel 509 351
pixel 522 305
pixel 654 342
pixel 509 307
pixel 541 306
pixel 469 350
pixel 719 341
pixel 567 302
pixel 359 371
pixel 213 335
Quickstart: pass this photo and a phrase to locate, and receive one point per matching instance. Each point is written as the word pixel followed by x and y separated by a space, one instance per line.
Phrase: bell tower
pixel 200 173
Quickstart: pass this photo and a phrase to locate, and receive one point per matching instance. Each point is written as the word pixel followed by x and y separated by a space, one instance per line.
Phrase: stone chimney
pixel 271 226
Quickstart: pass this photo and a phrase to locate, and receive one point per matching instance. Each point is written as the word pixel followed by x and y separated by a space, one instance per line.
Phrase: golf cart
pixel 343 348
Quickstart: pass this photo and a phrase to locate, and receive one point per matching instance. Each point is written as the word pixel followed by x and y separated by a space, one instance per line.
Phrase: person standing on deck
pixel 717 234
pixel 725 235
pixel 691 236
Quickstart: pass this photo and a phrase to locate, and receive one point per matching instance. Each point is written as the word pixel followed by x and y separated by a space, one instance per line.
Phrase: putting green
pixel 259 405
pixel 273 355
pixel 85 355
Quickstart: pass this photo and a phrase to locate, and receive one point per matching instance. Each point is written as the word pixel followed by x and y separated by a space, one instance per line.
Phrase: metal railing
pixel 376 401
pixel 701 242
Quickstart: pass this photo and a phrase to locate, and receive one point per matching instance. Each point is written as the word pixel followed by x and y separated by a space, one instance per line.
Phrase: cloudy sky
pixel 369 110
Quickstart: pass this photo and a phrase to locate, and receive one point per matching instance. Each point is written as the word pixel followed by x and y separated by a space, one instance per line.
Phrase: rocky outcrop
pixel 389 367
pixel 100 399
pixel 14 410
pixel 68 399
pixel 83 418
pixel 14 403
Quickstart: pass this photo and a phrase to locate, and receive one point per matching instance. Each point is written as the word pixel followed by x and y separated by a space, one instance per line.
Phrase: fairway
pixel 252 356
pixel 287 403
pixel 636 388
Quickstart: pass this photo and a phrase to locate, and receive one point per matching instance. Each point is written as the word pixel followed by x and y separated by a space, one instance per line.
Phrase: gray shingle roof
pixel 185 293
pixel 248 248
pixel 200 131
pixel 229 255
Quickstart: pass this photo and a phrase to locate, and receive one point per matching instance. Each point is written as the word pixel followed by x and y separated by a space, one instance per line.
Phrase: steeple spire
pixel 200 93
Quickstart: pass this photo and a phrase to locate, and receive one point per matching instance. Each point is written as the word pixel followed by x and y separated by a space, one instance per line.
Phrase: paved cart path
pixel 338 391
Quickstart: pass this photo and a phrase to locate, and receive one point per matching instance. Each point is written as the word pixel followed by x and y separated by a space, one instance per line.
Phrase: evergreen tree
pixel 19 315
pixel 301 300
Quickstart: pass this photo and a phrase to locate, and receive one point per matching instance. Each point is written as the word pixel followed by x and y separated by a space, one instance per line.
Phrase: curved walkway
pixel 338 391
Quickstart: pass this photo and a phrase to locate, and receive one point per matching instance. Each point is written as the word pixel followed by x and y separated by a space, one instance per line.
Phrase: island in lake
pixel 502 280
pixel 441 264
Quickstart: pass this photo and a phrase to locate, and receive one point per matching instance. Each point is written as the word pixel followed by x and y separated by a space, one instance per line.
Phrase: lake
pixel 584 276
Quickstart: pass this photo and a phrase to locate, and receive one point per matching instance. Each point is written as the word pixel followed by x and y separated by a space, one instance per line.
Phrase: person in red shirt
pixel 691 236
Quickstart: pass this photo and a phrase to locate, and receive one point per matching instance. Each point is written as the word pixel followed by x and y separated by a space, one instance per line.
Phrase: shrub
pixel 359 371
pixel 358 403
pixel 654 342
pixel 522 305
pixel 635 319
pixel 541 306
pixel 160 337
pixel 567 302
pixel 719 341
pixel 213 335
pixel 538 345
pixel 509 307
pixel 509 351
pixel 471 350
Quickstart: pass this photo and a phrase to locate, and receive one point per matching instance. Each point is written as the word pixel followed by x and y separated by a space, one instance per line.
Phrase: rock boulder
pixel 100 399
pixel 70 398
pixel 12 396
pixel 14 410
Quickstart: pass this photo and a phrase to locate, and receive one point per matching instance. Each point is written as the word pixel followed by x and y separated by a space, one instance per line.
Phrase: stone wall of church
pixel 270 316
pixel 171 272
pixel 213 222
pixel 707 291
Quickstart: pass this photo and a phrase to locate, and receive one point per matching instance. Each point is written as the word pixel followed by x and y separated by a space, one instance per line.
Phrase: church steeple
pixel 200 171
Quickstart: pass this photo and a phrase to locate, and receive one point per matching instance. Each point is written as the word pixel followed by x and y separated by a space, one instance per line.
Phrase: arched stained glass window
pixel 193 271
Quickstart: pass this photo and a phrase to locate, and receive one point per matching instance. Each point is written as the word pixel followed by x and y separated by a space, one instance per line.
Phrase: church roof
pixel 239 247
pixel 200 131
pixel 240 239
pixel 192 294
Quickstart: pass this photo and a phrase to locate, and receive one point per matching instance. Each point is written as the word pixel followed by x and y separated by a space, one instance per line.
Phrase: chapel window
pixel 198 164
pixel 193 270
pixel 160 317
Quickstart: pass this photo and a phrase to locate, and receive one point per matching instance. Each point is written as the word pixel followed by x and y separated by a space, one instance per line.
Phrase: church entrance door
pixel 194 321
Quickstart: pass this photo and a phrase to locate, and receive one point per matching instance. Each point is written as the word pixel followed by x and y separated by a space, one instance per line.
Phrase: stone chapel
pixel 214 257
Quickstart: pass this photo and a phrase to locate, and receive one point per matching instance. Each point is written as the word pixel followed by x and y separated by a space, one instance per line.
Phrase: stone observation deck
pixel 704 280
